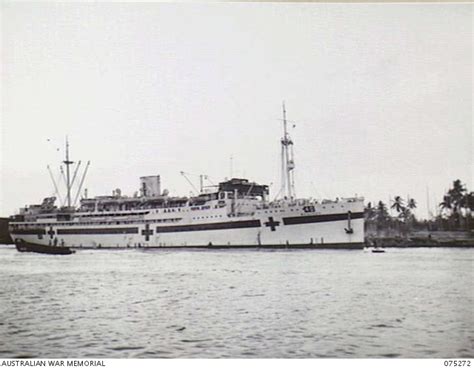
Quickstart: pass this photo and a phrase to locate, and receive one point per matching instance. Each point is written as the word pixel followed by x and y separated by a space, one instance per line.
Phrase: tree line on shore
pixel 454 214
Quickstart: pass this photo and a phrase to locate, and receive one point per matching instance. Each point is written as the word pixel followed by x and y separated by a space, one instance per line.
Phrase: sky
pixel 380 96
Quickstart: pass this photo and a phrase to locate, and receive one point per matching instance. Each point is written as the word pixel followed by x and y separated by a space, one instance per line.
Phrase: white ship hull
pixel 235 213
pixel 336 224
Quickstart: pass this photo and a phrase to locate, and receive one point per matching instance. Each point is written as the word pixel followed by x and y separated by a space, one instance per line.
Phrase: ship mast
pixel 287 161
pixel 68 181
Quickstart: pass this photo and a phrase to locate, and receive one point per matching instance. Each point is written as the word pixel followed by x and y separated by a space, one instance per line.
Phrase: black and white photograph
pixel 236 180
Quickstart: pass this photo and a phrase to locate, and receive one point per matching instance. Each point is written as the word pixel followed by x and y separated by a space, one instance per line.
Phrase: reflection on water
pixel 237 303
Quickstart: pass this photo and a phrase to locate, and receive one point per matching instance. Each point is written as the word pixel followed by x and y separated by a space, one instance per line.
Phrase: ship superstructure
pixel 235 213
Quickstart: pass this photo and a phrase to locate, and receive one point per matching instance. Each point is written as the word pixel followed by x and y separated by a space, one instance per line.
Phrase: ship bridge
pixel 244 188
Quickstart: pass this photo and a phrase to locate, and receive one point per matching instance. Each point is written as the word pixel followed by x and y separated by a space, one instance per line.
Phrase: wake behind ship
pixel 236 213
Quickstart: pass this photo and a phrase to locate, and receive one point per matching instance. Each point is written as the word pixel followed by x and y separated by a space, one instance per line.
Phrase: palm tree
pixel 469 206
pixel 411 204
pixel 381 216
pixel 457 192
pixel 469 201
pixel 399 207
pixel 398 204
pixel 369 215
pixel 381 212
pixel 405 214
pixel 369 211
pixel 457 195
pixel 446 204
pixel 408 215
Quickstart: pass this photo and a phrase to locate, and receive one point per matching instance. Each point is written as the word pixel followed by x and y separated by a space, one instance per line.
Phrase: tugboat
pixel 378 250
pixel 23 246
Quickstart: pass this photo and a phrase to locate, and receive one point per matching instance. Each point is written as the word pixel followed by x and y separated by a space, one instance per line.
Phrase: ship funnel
pixel 150 186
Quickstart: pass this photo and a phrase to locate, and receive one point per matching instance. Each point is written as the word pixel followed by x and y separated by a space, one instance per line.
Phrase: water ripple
pixel 188 303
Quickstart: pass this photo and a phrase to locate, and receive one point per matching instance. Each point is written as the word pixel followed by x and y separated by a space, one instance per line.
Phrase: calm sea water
pixel 412 303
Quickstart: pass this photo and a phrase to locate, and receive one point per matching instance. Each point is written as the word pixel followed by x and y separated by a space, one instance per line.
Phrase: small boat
pixel 378 250
pixel 23 246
